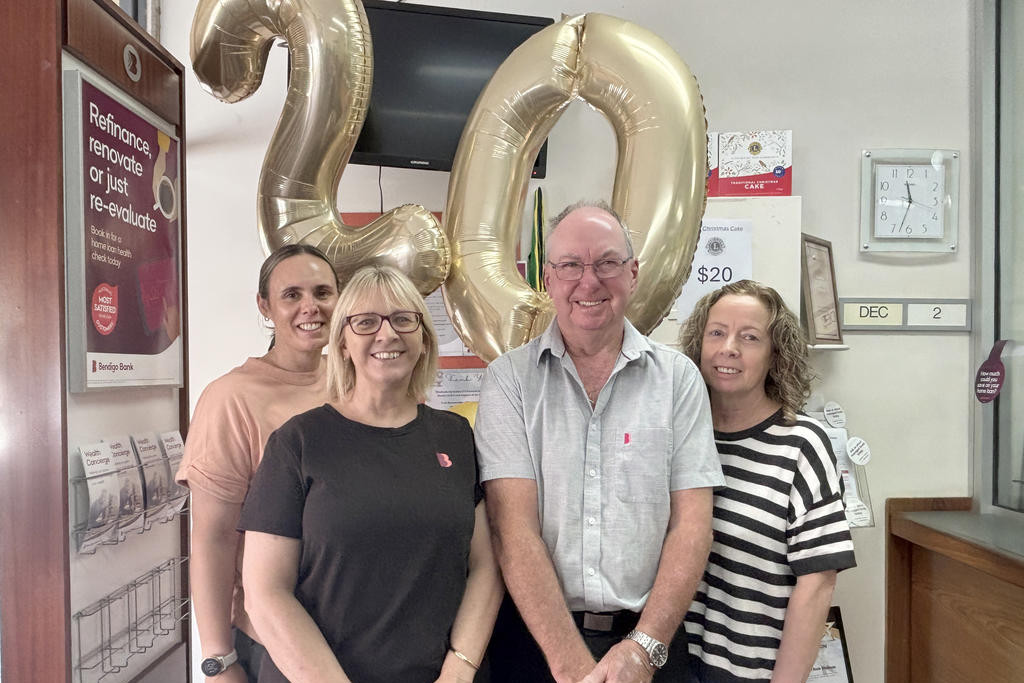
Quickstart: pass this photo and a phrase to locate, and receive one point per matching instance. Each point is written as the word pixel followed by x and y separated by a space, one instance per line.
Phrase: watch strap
pixel 649 643
pixel 230 658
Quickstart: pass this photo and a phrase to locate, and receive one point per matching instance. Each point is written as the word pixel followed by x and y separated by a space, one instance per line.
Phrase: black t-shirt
pixel 385 516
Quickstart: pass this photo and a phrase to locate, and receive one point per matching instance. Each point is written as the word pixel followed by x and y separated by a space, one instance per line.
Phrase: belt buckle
pixel 598 622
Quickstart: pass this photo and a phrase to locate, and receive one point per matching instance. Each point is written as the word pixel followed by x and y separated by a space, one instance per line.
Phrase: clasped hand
pixel 626 662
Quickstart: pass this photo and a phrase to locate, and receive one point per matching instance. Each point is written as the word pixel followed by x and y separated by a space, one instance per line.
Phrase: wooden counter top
pixel 987 542
pixel 954 593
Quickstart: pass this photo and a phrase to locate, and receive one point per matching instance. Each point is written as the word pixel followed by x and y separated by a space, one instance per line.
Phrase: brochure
pixel 154 470
pixel 130 494
pixel 174 451
pixel 101 501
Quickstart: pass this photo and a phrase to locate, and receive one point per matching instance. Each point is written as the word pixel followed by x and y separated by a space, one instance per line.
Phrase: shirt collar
pixel 634 344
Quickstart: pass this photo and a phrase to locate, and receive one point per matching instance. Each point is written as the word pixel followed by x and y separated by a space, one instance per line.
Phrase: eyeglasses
pixel 403 322
pixel 604 269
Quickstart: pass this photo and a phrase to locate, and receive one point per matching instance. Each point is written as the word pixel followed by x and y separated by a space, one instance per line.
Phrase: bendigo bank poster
pixel 128 215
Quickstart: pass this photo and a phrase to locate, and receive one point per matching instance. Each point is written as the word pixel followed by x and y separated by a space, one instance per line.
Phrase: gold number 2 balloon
pixel 330 79
pixel 652 100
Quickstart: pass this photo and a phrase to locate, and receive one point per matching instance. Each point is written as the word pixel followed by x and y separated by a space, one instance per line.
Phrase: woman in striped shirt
pixel 780 530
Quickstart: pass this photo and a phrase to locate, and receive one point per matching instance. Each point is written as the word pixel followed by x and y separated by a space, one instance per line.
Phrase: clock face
pixel 910 201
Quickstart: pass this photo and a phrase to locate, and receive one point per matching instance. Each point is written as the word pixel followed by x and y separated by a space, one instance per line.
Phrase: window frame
pixel 984 187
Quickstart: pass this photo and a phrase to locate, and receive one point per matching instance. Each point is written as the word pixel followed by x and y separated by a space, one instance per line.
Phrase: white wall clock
pixel 909 200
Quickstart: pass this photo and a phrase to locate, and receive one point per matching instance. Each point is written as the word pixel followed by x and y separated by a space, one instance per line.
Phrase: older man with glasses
pixel 598 458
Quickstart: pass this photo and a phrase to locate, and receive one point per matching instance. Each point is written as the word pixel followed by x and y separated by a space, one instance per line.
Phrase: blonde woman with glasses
pixel 368 556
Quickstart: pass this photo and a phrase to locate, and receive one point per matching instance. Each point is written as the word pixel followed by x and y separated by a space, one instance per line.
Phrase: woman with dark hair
pixel 298 289
pixel 368 557
pixel 780 530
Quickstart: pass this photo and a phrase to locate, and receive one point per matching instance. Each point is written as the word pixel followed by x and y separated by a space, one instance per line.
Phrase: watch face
pixel 910 201
pixel 211 666
pixel 659 655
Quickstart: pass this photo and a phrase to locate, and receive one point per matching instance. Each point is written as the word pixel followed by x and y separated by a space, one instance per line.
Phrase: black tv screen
pixel 429 66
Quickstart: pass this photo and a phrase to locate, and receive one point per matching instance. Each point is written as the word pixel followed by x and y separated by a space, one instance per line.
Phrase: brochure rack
pixel 88 535
pixel 128 621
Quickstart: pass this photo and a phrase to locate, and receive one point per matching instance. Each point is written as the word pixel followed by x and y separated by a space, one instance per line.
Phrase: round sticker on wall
pixel 835 415
pixel 857 449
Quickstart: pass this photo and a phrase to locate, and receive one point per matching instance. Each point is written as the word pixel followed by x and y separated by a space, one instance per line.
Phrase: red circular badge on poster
pixel 104 308
pixel 989 380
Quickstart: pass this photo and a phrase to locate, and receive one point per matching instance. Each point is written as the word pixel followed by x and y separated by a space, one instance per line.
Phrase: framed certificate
pixel 820 298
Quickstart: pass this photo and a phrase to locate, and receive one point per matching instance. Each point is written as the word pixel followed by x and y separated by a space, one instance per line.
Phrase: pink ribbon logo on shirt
pixel 625 439
pixel 444 460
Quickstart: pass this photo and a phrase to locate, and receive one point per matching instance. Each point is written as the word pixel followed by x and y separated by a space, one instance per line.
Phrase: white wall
pixel 844 76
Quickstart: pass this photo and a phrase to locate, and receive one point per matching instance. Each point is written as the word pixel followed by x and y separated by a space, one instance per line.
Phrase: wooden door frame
pixel 34 582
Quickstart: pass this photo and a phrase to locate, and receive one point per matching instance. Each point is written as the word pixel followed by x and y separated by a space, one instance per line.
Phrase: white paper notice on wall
pixel 448 341
pixel 838 437
pixel 724 254
pixel 454 386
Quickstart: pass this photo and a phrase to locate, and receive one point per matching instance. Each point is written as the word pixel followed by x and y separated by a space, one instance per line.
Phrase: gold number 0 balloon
pixel 652 100
pixel 331 75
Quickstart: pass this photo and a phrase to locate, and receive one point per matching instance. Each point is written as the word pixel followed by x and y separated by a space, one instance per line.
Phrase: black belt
pixel 619 623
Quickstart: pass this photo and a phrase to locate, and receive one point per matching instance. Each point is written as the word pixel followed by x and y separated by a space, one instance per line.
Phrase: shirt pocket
pixel 638 465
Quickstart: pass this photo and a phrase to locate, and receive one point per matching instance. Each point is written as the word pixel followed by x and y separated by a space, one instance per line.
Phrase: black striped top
pixel 780 515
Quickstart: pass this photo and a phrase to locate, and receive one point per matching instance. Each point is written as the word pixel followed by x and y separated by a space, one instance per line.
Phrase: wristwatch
pixel 213 666
pixel 657 653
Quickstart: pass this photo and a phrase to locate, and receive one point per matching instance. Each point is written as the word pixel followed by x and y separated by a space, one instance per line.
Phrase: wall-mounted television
pixel 429 66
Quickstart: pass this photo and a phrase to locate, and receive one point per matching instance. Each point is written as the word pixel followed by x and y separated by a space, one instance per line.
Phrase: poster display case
pixel 122 238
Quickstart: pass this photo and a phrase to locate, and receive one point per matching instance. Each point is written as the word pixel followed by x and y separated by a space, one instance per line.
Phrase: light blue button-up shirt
pixel 603 473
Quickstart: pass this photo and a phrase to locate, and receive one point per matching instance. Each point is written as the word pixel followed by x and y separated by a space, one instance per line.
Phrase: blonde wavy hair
pixel 789 377
pixel 398 293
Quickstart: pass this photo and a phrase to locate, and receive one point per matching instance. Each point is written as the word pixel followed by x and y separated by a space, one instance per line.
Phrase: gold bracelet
pixel 464 658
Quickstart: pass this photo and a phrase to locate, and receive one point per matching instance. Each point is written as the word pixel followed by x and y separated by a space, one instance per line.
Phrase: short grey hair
pixel 590 204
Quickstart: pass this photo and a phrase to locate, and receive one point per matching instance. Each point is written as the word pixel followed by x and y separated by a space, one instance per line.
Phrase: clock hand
pixel 904 219
pixel 910 199
pixel 927 207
